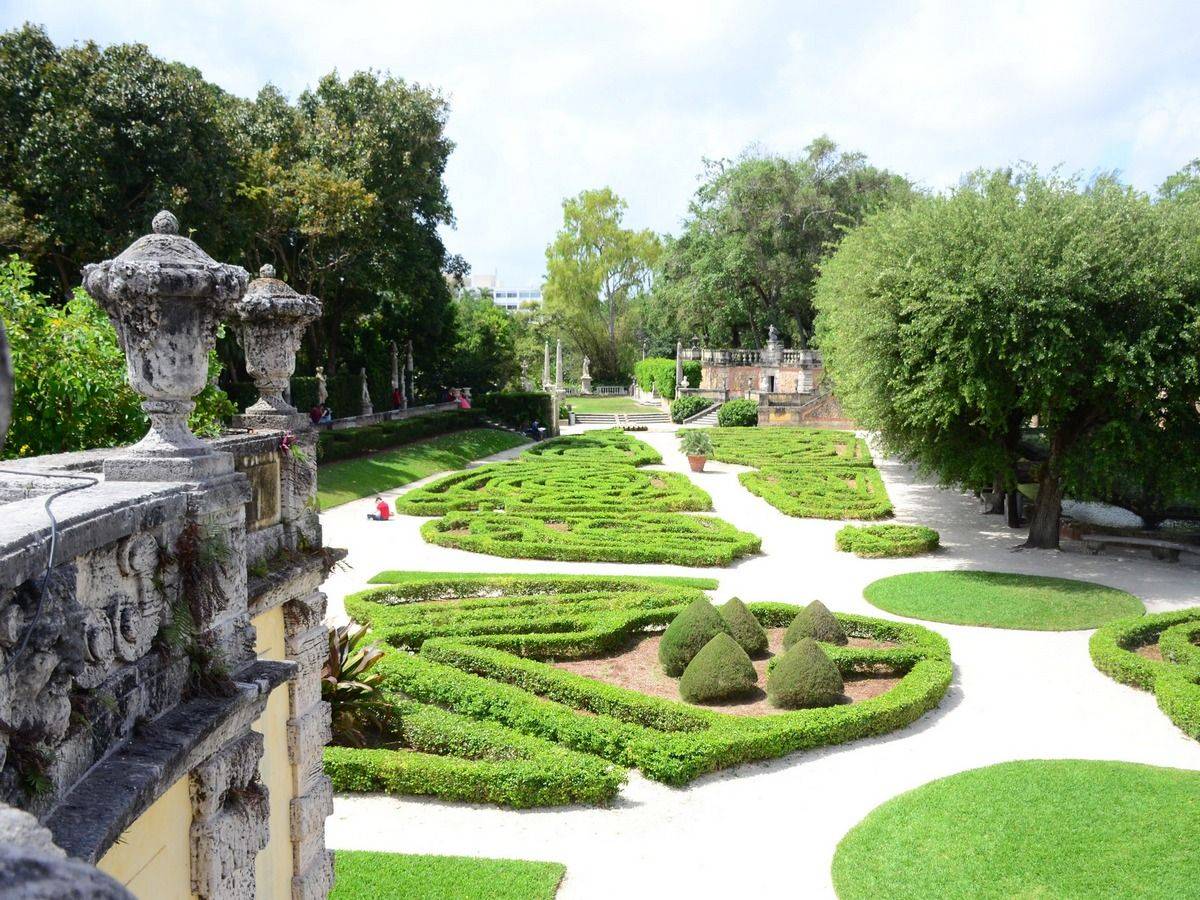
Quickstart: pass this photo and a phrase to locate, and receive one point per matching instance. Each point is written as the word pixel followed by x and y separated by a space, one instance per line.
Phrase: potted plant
pixel 697 445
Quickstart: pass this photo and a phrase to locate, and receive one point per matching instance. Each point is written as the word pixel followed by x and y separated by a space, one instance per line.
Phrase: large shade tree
pixel 950 323
pixel 597 274
pixel 756 229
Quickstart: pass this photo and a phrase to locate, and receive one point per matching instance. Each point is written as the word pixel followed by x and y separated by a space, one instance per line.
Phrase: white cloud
pixel 550 98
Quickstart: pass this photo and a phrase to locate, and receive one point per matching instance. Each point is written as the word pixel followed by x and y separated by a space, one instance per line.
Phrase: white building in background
pixel 504 296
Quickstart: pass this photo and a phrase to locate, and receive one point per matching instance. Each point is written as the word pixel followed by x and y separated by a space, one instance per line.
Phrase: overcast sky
pixel 548 99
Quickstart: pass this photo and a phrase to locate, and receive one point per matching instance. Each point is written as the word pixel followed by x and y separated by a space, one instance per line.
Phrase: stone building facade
pixel 161 636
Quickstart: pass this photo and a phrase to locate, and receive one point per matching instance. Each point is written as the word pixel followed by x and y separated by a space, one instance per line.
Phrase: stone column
pixel 558 374
pixel 412 382
pixel 678 367
pixel 546 368
pixel 307 644
pixel 166 297
pixel 270 321
pixel 395 366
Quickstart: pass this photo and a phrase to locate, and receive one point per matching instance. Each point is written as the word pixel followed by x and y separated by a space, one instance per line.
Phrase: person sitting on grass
pixel 382 513
pixel 326 416
pixel 535 431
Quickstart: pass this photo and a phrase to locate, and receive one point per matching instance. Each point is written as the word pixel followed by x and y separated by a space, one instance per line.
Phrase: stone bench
pixel 1160 548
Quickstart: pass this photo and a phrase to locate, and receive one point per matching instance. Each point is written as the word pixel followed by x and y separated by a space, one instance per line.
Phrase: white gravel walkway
pixel 774 826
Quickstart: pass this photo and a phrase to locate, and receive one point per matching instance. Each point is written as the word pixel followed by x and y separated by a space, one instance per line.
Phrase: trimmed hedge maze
pixel 1171 669
pixel 581 498
pixel 472 649
pixel 806 472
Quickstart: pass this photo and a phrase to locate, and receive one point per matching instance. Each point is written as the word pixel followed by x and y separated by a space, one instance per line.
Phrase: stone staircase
pixel 705 419
pixel 622 419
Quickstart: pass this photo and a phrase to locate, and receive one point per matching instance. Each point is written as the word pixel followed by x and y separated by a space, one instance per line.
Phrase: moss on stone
pixel 804 677
pixel 687 634
pixel 817 622
pixel 745 629
pixel 720 671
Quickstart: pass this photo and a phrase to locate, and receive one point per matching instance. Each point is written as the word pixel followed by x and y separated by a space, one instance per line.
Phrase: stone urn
pixel 270 321
pixel 166 297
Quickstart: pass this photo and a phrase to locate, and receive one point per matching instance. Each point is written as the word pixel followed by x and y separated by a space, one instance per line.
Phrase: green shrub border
pixel 483 677
pixel 1175 681
pixel 880 541
pixel 346 443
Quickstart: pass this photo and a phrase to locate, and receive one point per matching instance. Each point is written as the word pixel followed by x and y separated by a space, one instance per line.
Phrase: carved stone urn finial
pixel 166 297
pixel 270 322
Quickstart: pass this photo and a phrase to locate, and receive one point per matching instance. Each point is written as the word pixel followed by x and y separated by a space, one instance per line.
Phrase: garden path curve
pixel 758 827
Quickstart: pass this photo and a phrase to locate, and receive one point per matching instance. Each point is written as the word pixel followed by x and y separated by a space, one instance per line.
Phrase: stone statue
pixel 395 366
pixel 367 408
pixel 525 385
pixel 773 335
pixel 585 382
pixel 322 390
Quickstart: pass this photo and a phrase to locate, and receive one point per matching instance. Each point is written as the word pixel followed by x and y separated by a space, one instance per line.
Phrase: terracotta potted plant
pixel 698 446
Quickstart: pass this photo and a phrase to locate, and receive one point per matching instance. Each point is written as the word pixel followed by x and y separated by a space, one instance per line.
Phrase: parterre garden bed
pixel 367 875
pixel 583 497
pixel 1157 653
pixel 486 717
pixel 806 472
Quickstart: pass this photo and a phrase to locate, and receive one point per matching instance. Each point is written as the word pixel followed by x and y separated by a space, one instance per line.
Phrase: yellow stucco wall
pixel 273 866
pixel 153 856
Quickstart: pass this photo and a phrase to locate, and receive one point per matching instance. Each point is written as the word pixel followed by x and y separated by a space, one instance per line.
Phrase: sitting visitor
pixel 534 431
pixel 316 412
pixel 382 512
pixel 326 416
pixel 463 401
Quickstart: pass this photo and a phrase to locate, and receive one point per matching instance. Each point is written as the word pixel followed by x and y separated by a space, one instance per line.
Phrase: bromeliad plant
pixel 351 688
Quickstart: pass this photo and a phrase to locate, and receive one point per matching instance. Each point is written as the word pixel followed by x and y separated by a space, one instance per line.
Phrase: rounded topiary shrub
pixel 687 406
pixel 744 627
pixel 738 413
pixel 720 671
pixel 817 622
pixel 687 634
pixel 804 677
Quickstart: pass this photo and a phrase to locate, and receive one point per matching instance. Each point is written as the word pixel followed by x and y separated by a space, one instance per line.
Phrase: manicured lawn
pixel 341 482
pixel 607 405
pixel 999 600
pixel 1034 828
pixel 363 875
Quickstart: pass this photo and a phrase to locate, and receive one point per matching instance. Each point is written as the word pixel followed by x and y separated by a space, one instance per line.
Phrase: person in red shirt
pixel 383 513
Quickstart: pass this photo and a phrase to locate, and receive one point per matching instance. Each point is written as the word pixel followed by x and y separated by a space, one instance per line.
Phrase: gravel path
pixel 759 827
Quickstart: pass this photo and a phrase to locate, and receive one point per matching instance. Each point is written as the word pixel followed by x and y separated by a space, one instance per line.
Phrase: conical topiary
pixel 744 627
pixel 720 670
pixel 698 624
pixel 804 677
pixel 817 622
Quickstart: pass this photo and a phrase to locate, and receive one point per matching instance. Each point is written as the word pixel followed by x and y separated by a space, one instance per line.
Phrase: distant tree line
pixel 341 190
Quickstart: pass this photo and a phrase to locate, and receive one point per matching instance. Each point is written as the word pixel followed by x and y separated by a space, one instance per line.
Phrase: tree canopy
pixel 756 229
pixel 597 275
pixel 949 323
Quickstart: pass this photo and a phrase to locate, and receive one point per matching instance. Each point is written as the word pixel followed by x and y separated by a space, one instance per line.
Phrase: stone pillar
pixel 166 297
pixel 395 366
pixel 367 408
pixel 525 385
pixel 546 368
pixel 271 319
pixel 678 367
pixel 558 373
pixel 229 820
pixel 412 382
pixel 307 644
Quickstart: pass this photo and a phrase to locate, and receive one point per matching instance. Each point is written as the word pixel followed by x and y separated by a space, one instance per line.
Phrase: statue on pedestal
pixel 322 389
pixel 585 381
pixel 367 408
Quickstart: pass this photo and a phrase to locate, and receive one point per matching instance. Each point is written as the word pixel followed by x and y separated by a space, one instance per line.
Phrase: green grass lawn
pixel 363 875
pixel 1034 828
pixel 606 405
pixel 350 479
pixel 999 600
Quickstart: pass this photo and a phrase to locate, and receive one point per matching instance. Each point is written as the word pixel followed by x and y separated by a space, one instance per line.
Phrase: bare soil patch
pixel 1149 651
pixel 636 667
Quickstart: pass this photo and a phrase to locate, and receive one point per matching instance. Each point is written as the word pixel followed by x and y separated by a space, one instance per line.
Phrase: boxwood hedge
pixel 876 541
pixel 582 498
pixel 1175 680
pixel 476 646
pixel 807 472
